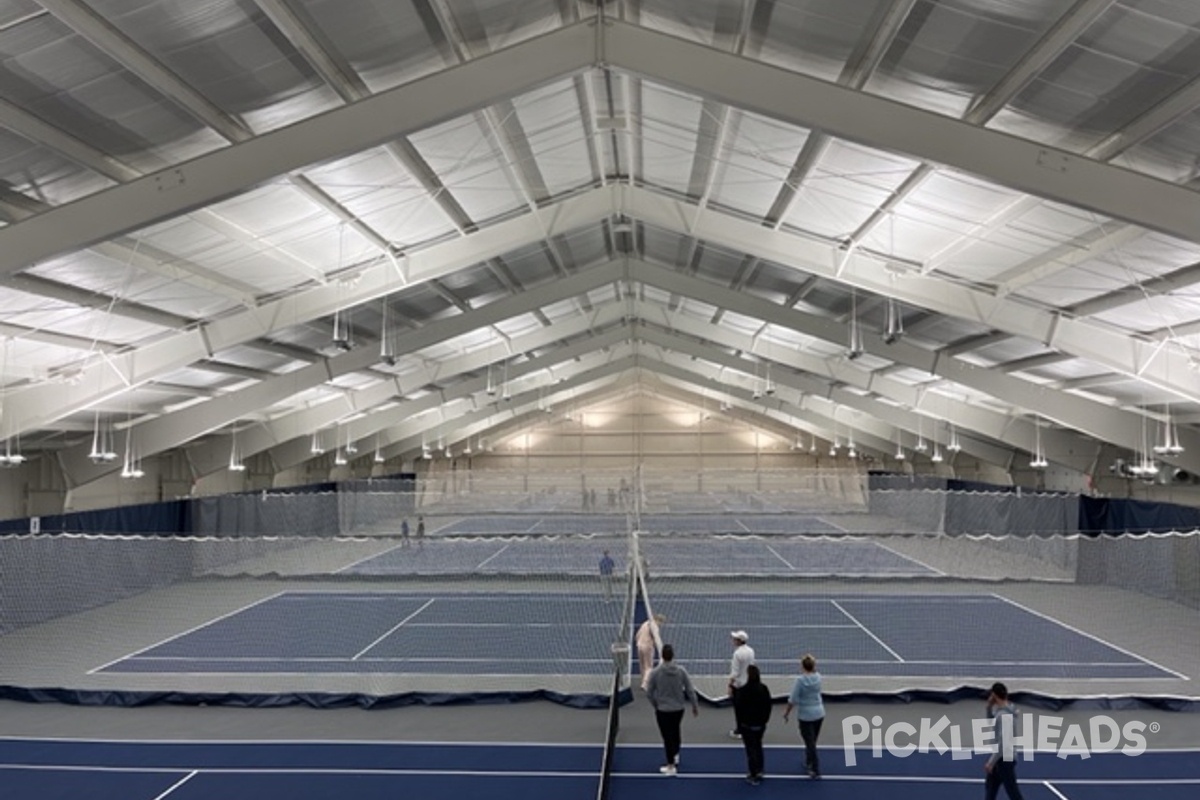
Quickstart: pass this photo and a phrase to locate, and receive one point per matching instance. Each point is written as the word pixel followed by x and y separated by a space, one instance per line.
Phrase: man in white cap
pixel 743 657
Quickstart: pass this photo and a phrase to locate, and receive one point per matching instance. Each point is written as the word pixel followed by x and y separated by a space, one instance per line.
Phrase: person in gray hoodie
pixel 670 692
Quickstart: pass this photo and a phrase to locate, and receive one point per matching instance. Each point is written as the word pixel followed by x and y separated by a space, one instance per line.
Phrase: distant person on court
pixel 404 532
pixel 670 691
pixel 607 567
pixel 810 711
pixel 1001 766
pixel 647 634
pixel 752 707
pixel 743 658
pixel 421 530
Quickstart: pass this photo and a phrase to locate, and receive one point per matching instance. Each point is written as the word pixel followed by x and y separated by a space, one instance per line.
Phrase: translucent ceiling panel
pixel 376 188
pixel 950 52
pixel 1170 154
pixel 816 37
pixel 1128 61
pixel 465 156
pixel 756 160
pixel 383 43
pixel 490 25
pixel 670 134
pixel 550 118
pixel 41 173
pixel 845 188
pixel 189 38
pixel 64 81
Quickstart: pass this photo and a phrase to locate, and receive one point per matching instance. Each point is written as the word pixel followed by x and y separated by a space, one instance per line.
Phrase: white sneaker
pixel 668 769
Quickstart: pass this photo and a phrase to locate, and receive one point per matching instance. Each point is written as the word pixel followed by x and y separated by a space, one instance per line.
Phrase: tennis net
pixel 891 590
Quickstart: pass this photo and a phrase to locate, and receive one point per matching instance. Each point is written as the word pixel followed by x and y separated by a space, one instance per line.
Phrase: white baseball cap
pixel 741 636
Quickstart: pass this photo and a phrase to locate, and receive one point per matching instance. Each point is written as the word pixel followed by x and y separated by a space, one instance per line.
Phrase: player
pixel 647 633
pixel 1001 770
pixel 607 566
pixel 752 706
pixel 670 691
pixel 810 711
pixel 743 657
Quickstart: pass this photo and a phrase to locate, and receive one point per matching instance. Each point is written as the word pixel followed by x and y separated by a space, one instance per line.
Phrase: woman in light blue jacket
pixel 810 710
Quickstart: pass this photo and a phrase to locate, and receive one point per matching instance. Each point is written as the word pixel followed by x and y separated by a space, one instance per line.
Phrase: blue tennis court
pixel 957 636
pixel 792 556
pixel 53 769
pixel 863 635
pixel 388 632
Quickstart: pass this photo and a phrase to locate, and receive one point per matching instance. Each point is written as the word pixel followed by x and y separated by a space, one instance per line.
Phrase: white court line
pixel 493 555
pixel 654 776
pixel 956 599
pixel 350 566
pixel 833 525
pixel 733 625
pixel 271 743
pixel 193 629
pixel 1094 638
pixel 866 631
pixel 178 783
pixel 378 660
pixel 556 625
pixel 301 771
pixel 917 561
pixel 1131 782
pixel 775 553
pixel 1057 793
pixel 927 663
pixel 394 628
pixel 386 594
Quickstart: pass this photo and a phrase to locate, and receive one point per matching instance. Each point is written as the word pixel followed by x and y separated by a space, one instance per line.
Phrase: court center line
pixel 178 783
pixel 866 631
pixel 1057 793
pixel 493 555
pixel 393 629
pixel 1093 637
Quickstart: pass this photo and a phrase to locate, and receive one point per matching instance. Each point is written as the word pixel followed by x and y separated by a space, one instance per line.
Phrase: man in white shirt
pixel 743 657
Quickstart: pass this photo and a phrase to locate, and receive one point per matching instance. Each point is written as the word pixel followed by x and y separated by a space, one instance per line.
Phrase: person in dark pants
pixel 752 707
pixel 670 692
pixel 810 711
pixel 1001 766
pixel 743 657
pixel 607 567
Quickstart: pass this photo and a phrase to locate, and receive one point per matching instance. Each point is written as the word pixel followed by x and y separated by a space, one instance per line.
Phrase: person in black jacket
pixel 752 707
